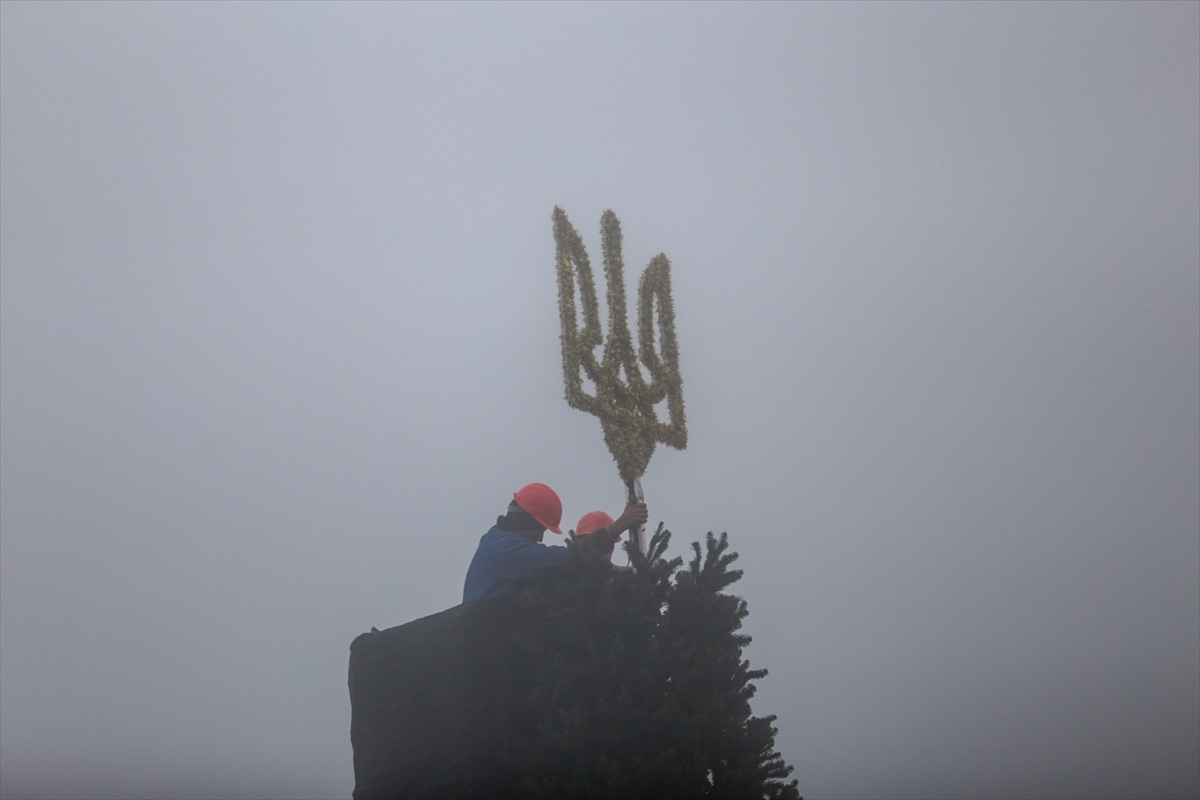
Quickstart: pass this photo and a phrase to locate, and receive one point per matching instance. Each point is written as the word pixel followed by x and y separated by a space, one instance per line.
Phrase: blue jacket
pixel 506 561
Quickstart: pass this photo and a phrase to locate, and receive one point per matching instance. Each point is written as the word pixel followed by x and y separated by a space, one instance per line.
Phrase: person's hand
pixel 634 514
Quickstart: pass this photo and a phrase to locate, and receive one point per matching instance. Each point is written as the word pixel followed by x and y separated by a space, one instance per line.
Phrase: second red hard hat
pixel 592 522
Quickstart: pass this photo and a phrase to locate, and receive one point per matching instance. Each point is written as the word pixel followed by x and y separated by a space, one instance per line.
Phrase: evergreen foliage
pixel 636 687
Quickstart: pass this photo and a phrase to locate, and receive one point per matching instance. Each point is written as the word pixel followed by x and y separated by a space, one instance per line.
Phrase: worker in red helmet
pixel 511 554
pixel 607 534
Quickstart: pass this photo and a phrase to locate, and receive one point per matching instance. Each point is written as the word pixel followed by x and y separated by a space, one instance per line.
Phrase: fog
pixel 279 339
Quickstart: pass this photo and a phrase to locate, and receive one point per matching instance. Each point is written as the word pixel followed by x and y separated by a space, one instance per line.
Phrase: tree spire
pixel 624 400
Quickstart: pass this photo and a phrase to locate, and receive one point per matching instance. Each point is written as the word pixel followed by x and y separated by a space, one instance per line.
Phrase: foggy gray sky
pixel 279 338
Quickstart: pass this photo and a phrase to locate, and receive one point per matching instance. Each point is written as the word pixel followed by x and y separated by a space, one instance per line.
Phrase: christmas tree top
pixel 624 400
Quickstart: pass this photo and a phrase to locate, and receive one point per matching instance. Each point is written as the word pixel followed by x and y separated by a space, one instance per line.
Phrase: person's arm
pixel 634 514
pixel 526 560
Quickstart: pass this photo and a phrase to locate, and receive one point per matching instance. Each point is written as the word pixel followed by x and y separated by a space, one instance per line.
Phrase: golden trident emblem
pixel 624 401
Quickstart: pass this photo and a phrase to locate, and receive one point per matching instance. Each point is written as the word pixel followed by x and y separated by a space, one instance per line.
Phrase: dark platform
pixel 432 705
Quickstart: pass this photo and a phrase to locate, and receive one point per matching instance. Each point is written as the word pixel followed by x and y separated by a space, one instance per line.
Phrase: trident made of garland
pixel 624 400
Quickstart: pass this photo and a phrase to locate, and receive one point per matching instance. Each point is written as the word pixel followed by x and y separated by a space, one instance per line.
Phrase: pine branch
pixel 637 686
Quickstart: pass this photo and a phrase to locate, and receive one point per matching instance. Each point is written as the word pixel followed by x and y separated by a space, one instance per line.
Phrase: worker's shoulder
pixel 496 534
pixel 505 541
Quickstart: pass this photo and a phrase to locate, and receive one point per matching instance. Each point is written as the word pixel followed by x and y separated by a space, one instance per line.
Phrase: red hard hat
pixel 592 522
pixel 541 503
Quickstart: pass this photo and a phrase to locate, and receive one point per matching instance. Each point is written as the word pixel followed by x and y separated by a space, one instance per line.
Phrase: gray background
pixel 279 339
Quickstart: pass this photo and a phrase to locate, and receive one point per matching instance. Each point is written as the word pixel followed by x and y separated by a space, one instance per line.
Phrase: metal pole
pixel 637 533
